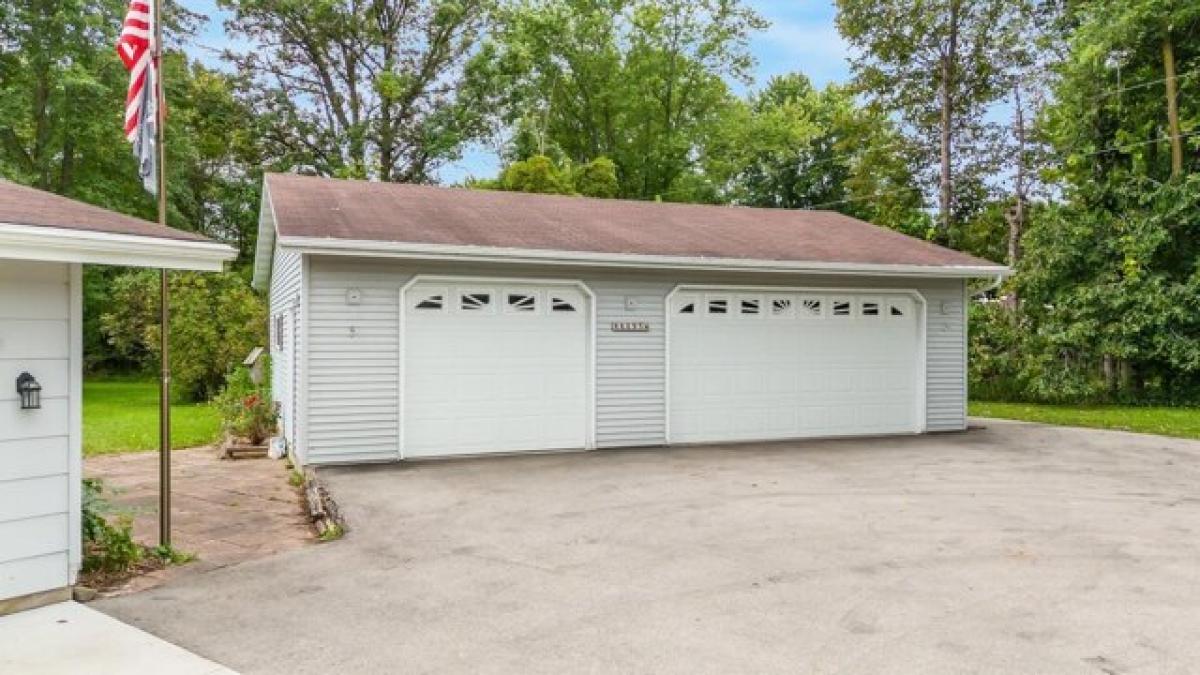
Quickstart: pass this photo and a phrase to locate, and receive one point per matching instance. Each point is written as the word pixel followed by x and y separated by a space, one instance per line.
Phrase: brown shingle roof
pixel 358 210
pixel 20 205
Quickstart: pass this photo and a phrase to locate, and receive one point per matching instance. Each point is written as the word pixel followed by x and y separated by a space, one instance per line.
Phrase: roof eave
pixel 486 254
pixel 55 244
pixel 264 247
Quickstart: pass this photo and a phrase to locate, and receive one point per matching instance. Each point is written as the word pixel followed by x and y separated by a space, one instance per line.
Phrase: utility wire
pixel 1140 85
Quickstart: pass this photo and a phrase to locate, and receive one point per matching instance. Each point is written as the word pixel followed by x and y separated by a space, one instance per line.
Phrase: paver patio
pixel 223 511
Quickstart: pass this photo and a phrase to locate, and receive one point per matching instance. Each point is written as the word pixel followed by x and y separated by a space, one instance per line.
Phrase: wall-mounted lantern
pixel 30 391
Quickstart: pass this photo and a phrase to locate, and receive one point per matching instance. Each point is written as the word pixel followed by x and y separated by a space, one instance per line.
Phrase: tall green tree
pixel 939 66
pixel 1109 279
pixel 794 146
pixel 62 92
pixel 359 89
pixel 641 82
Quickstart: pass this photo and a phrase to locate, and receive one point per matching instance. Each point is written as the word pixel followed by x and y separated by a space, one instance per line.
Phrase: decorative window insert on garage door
pixel 749 364
pixel 495 365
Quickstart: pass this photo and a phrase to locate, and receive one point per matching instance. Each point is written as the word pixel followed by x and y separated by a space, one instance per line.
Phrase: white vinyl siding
pixel 286 336
pixel 630 373
pixel 36 495
pixel 946 360
pixel 354 361
pixel 353 380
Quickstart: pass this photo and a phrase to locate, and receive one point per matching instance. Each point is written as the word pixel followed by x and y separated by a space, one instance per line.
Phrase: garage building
pixel 413 321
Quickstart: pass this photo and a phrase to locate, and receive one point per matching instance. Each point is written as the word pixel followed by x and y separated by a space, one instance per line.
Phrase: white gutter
pixel 488 254
pixel 55 244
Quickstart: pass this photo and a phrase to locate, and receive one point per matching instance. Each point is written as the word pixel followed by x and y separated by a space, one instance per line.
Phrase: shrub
pixel 106 547
pixel 247 410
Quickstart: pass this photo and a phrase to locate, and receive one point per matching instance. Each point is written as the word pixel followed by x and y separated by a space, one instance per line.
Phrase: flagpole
pixel 164 388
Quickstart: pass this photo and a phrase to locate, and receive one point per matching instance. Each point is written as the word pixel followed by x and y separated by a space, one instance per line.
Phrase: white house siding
pixel 285 296
pixel 38 468
pixel 354 361
pixel 630 367
pixel 353 379
pixel 946 356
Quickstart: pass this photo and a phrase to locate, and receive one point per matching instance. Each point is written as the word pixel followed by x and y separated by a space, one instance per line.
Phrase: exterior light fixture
pixel 30 391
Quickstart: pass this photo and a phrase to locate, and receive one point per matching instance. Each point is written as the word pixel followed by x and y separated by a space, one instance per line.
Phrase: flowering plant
pixel 247 410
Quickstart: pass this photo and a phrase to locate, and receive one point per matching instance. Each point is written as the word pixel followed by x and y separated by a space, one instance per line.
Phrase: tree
pixel 597 178
pixel 939 66
pixel 360 89
pixel 61 92
pixel 541 174
pixel 536 174
pixel 216 320
pixel 1108 279
pixel 794 146
pixel 641 82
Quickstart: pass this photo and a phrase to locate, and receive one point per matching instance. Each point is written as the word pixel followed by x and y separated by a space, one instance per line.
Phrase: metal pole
pixel 164 388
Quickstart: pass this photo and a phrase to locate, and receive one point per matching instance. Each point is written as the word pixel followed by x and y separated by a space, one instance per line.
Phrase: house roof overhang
pixel 486 254
pixel 73 245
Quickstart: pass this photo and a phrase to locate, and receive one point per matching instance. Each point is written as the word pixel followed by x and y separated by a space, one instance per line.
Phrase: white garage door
pixel 494 367
pixel 756 366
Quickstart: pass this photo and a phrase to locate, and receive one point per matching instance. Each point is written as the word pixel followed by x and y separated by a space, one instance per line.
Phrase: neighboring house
pixel 414 321
pixel 44 242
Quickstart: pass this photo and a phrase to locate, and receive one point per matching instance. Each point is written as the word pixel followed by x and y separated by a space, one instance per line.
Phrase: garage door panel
pixel 494 368
pixel 797 368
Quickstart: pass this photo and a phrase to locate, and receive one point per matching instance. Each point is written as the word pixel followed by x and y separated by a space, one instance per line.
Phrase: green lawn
pixel 1179 422
pixel 121 415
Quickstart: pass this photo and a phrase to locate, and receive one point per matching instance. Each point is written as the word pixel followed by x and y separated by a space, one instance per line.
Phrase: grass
pixel 1178 422
pixel 121 415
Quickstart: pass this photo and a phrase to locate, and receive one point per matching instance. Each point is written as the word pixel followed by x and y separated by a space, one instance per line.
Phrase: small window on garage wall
pixel 899 307
pixel 430 300
pixel 562 305
pixel 811 307
pixel 781 307
pixel 750 306
pixel 481 301
pixel 716 305
pixel 520 302
pixel 277 333
pixel 842 307
pixel 869 307
pixel 686 304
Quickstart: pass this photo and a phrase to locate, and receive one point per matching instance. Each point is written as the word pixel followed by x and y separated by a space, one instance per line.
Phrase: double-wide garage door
pixel 503 367
pixel 758 366
pixel 494 367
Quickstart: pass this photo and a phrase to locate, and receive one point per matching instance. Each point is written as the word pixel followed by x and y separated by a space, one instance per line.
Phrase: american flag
pixel 136 49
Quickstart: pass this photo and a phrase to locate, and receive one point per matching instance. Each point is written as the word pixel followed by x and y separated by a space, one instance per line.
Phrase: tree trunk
pixel 946 92
pixel 1168 50
pixel 1126 376
pixel 1016 223
pixel 1110 374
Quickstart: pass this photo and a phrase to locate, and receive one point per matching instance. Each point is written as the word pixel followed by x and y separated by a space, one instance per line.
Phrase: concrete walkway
pixel 70 639
pixel 1015 549
pixel 224 511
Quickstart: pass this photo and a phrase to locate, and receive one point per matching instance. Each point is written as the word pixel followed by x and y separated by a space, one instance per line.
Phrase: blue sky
pixel 802 37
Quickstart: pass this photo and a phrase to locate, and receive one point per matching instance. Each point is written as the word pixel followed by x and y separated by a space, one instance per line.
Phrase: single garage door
pixel 757 366
pixel 494 367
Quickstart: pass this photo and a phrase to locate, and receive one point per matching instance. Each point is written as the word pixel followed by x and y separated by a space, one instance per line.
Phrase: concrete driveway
pixel 1016 548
